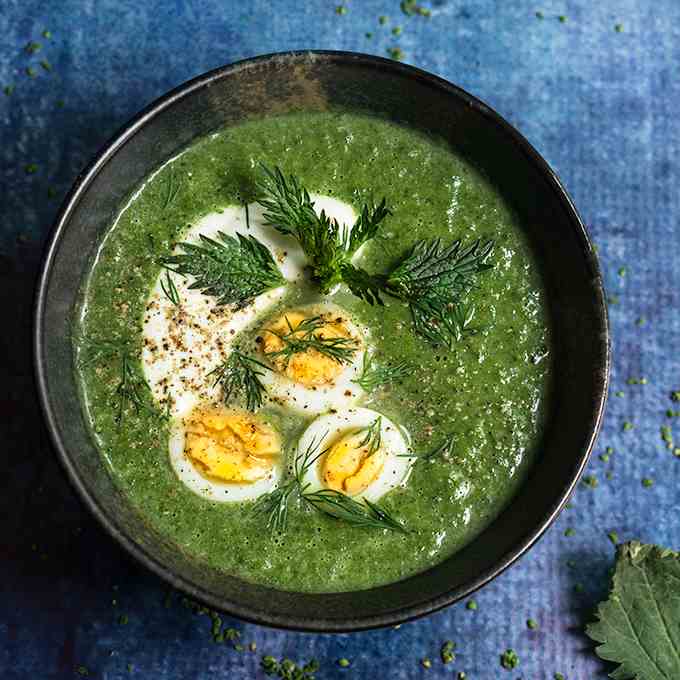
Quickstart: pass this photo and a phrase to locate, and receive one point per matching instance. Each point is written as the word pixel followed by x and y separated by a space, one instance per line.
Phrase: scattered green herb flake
pixel 532 624
pixel 628 426
pixel 471 605
pixel 83 670
pixel 562 19
pixel 8 89
pixel 647 482
pixel 343 663
pixel 571 564
pixel 667 436
pixel 672 414
pixel 613 299
pixel 675 396
pixel 426 663
pixel 604 457
pixel 239 647
pixel 569 506
pixel 613 537
pixel 252 646
pixel 47 34
pixel 382 20
pixel 578 587
pixel 408 7
pixel 637 381
pixel 31 168
pixel 570 532
pixel 46 64
pixel 641 321
pixel 622 271
pixel 123 620
pixel 462 675
pixel 395 53
pixel 424 12
pixel 609 450
pixel 637 627
pixel 341 9
pixel 369 36
pixel 446 652
pixel 559 676
pixel 30 72
pixel 591 481
pixel 676 451
pixel 397 30
pixel 539 14
pixel 509 659
pixel 618 28
pixel 608 475
pixel 33 47
pixel 619 393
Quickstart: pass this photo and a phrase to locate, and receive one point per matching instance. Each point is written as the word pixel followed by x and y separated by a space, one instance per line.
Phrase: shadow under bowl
pixel 320 81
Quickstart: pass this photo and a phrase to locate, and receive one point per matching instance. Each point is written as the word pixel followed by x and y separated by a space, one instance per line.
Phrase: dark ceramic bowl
pixel 319 81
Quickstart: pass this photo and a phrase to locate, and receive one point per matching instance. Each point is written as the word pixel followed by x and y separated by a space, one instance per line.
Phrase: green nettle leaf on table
pixel 639 625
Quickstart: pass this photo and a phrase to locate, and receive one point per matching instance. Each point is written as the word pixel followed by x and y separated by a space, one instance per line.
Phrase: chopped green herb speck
pixel 559 676
pixel 578 587
pixel 641 321
pixel 570 532
pixel 591 481
pixel 46 64
pixel 647 482
pixel 613 537
pixel 47 34
pixel 382 20
pixel 33 47
pixel 619 393
pixel 562 19
pixel 343 663
pixel 509 659
pixel 539 14
pixel 604 457
pixel 426 663
pixel 31 169
pixel 532 624
pixel 341 9
pixel 446 652
pixel 395 53
pixel 8 89
pixel 397 30
pixel 471 605
pixel 618 28
pixel 622 271
pixel 675 396
pixel 30 71
pixel 123 620
pixel 627 426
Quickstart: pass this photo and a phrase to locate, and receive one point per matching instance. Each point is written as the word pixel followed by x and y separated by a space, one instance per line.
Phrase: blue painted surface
pixel 601 105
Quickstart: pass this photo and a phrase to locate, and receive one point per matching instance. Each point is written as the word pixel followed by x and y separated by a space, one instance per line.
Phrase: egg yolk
pixel 231 446
pixel 309 367
pixel 349 466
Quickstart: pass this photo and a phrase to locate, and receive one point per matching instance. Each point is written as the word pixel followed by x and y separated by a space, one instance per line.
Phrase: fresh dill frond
pixel 306 335
pixel 241 374
pixel 374 375
pixel 432 279
pixel 342 507
pixel 169 289
pixel 274 505
pixel 328 246
pixel 443 450
pixel 373 438
pixel 232 269
pixel 365 286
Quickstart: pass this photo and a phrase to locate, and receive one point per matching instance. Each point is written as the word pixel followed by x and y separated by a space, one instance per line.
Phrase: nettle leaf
pixel 639 625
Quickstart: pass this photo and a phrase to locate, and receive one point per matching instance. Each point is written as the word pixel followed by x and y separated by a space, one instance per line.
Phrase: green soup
pixel 489 390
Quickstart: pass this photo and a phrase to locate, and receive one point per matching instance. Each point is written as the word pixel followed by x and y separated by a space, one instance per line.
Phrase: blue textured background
pixel 600 104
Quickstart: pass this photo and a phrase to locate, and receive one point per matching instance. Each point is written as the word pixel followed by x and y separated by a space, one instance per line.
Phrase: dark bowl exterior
pixel 319 81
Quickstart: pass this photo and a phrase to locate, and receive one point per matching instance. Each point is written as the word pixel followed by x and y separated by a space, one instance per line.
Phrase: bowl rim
pixel 292 621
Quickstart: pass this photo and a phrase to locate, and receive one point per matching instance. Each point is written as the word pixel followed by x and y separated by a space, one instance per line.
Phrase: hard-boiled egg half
pixel 220 453
pixel 321 376
pixel 357 451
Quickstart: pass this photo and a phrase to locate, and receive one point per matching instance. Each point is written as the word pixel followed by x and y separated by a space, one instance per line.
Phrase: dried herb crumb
pixel 532 624
pixel 562 19
pixel 627 426
pixel 30 169
pixel 619 393
pixel 462 675
pixel 539 14
pixel 570 532
pixel 604 457
pixel 369 35
pixel 559 676
pixel 446 652
pixel 667 436
pixel 395 53
pixel 591 481
pixel 618 28
pixel 341 9
pixel 613 537
pixel 426 663
pixel 675 396
pixel 32 47
pixel 382 20
pixel 609 474
pixel 622 271
pixel 397 30
pixel 471 605
pixel 509 659
pixel 47 34
pixel 568 506
pixel 30 72
pixel 672 414
pixel 613 299
pixel 8 89
pixel 46 64
pixel 343 663
pixel 647 482
pixel 83 670
pixel 123 620
pixel 641 321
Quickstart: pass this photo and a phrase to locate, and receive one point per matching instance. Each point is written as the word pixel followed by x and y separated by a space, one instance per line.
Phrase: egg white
pixel 213 489
pixel 327 429
pixel 184 343
pixel 342 393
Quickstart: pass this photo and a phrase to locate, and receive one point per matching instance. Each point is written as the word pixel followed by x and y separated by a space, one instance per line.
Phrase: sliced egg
pixel 226 455
pixel 183 343
pixel 349 461
pixel 311 382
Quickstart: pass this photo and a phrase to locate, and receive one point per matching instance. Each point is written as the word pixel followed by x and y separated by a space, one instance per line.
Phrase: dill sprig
pixel 274 505
pixel 169 289
pixel 443 450
pixel 374 375
pixel 131 390
pixel 339 506
pixel 328 246
pixel 373 438
pixel 307 335
pixel 232 269
pixel 240 374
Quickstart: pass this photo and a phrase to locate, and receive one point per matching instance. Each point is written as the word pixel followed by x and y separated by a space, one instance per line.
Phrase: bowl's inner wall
pixel 315 83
